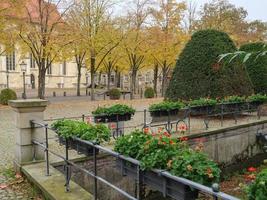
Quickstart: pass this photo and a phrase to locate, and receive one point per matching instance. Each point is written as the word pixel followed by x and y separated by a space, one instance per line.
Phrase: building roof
pixel 29 10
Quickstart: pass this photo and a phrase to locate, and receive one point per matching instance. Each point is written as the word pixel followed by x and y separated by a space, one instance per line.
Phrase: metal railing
pixel 138 196
pixel 170 123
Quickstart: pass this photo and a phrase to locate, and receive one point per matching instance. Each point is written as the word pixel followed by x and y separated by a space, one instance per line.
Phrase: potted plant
pixel 69 130
pixel 165 108
pixel 202 106
pixel 114 113
pixel 158 152
pixel 233 104
pixel 256 100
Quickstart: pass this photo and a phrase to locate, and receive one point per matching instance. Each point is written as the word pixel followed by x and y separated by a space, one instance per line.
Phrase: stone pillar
pixel 24 112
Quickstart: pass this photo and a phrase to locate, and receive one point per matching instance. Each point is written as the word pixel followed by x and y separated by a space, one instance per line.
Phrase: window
pixel 49 70
pixel 32 60
pixel 64 68
pixel 11 62
pixel 112 79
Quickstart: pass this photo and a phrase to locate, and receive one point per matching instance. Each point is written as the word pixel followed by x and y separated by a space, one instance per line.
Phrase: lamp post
pixel 7 78
pixel 23 67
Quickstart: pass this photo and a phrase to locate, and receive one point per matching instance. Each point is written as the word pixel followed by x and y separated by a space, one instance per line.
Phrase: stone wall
pixel 232 145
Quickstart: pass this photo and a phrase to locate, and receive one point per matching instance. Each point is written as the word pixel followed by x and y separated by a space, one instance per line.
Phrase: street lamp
pixel 23 67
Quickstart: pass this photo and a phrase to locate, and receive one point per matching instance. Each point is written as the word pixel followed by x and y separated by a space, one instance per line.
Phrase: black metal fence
pixel 139 176
pixel 196 119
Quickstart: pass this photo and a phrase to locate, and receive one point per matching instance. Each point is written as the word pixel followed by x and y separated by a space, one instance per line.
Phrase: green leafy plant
pixel 257 98
pixel 233 99
pixel 195 166
pixel 166 106
pixel 159 150
pixel 70 128
pixel 258 189
pixel 130 145
pixel 203 102
pixel 6 95
pixel 114 94
pixel 114 110
pixel 149 93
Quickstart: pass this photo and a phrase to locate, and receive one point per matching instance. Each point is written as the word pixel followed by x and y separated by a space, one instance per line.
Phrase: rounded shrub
pixel 6 95
pixel 256 67
pixel 149 93
pixel 199 74
pixel 114 94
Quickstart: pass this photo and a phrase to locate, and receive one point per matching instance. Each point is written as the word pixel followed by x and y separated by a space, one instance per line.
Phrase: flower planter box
pixel 78 146
pixel 234 107
pixel 71 142
pixel 112 118
pixel 163 113
pixel 155 181
pixel 254 105
pixel 85 149
pixel 201 110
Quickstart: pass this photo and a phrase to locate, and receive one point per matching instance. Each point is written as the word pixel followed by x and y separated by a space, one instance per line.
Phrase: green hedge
pixel 198 73
pixel 6 95
pixel 149 93
pixel 257 68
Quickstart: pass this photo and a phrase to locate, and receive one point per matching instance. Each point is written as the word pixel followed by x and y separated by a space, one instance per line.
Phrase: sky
pixel 257 9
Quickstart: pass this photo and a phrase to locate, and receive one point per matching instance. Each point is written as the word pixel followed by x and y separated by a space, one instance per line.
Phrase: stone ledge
pixel 226 129
pixel 26 103
pixel 52 187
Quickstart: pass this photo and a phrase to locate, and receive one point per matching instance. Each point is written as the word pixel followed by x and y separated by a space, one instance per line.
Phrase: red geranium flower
pixel 252 169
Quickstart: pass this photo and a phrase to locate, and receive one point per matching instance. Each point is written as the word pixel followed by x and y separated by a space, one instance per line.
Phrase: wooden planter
pixel 157 182
pixel 112 118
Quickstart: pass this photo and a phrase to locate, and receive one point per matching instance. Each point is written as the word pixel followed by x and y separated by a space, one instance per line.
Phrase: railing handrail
pixel 165 173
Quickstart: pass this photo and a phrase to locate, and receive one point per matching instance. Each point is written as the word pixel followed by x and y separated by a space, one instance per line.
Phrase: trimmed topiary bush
pixel 6 95
pixel 256 68
pixel 114 94
pixel 149 93
pixel 199 74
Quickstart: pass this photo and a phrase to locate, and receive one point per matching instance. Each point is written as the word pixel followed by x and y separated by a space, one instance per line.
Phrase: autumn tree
pixel 97 31
pixel 41 31
pixel 224 16
pixel 8 36
pixel 135 45
pixel 167 36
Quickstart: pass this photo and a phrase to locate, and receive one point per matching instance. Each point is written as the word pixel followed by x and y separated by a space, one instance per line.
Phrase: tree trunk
pixel 165 71
pixel 133 83
pixel 118 79
pixel 92 76
pixel 79 80
pixel 99 78
pixel 41 83
pixel 109 78
pixel 155 79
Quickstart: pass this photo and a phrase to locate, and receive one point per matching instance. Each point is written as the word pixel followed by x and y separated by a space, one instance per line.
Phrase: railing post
pixel 46 150
pixel 83 117
pixel 95 173
pixel 139 183
pixel 25 112
pixel 67 175
pixel 145 118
